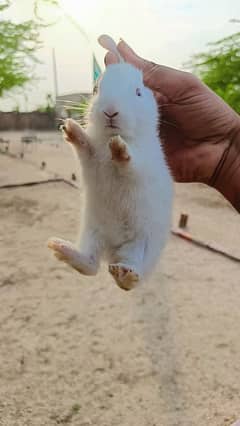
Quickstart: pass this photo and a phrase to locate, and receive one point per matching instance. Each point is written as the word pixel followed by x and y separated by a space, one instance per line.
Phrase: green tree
pixel 18 43
pixel 219 68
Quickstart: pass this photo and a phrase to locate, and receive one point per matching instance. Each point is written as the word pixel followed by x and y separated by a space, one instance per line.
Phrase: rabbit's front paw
pixel 119 149
pixel 74 133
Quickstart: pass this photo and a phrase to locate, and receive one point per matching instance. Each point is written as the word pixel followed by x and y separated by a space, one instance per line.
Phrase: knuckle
pixel 192 80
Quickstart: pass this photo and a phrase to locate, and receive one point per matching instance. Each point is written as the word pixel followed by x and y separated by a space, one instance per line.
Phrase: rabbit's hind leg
pixel 125 276
pixel 68 253
pixel 127 266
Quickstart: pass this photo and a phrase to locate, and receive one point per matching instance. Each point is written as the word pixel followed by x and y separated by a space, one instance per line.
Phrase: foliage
pixel 219 68
pixel 37 11
pixel 78 110
pixel 18 43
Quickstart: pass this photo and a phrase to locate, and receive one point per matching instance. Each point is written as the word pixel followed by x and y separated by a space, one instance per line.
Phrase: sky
pixel 165 31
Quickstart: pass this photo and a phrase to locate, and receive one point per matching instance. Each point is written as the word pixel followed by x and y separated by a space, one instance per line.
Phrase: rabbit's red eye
pixel 138 92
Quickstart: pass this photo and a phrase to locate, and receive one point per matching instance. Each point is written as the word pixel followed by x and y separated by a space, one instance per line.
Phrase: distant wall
pixel 27 120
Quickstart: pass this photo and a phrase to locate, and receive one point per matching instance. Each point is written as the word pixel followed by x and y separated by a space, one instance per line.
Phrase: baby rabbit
pixel 128 186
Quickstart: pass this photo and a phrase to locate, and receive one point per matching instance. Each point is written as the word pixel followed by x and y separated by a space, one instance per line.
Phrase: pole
pixel 55 73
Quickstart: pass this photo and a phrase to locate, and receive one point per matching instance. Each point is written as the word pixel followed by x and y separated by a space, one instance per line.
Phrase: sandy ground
pixel 79 351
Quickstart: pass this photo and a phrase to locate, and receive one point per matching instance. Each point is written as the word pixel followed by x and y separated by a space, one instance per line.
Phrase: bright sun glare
pixel 84 12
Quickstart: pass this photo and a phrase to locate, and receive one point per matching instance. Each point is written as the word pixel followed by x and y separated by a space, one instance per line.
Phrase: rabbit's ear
pixel 109 44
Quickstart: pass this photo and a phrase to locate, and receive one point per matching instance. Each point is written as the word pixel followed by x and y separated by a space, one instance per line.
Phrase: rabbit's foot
pixel 67 252
pixel 124 275
pixel 75 134
pixel 119 149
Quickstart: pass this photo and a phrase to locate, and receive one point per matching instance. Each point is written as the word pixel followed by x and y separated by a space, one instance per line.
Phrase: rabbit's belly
pixel 125 209
pixel 118 222
pixel 121 213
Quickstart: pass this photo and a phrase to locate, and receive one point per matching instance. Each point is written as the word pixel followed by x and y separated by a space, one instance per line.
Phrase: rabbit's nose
pixel 110 114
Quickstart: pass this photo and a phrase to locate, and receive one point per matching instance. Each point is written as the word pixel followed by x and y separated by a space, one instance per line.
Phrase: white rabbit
pixel 128 186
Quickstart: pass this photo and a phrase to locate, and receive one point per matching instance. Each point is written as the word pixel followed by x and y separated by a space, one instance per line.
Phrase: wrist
pixel 227 172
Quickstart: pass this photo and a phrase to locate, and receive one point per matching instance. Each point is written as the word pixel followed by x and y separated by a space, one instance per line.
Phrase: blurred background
pixel 77 350
pixel 50 58
pixel 60 38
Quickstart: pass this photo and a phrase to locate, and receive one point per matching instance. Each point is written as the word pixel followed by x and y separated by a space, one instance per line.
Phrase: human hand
pixel 199 131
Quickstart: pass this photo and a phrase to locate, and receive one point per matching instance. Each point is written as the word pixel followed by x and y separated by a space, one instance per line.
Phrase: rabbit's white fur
pixel 128 197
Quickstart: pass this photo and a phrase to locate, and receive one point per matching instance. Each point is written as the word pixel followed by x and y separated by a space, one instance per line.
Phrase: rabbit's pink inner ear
pixel 109 44
pixel 111 58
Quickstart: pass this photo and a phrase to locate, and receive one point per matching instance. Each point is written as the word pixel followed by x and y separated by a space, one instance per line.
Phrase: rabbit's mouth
pixel 112 126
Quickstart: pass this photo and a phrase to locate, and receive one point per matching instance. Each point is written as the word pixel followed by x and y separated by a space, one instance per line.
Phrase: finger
pixel 160 98
pixel 160 78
